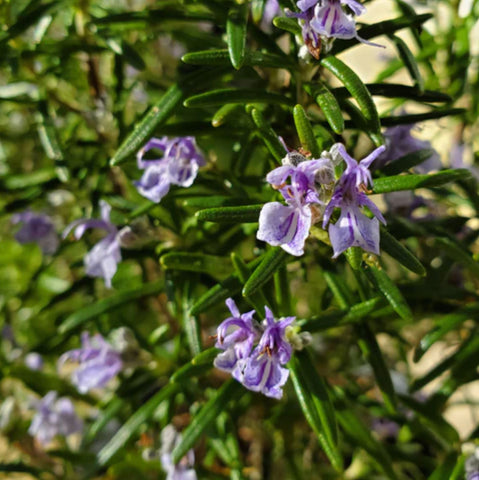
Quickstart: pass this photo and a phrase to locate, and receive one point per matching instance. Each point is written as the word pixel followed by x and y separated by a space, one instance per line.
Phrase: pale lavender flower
pixel 184 469
pixel 54 417
pixel 288 225
pixel 36 228
pixel 353 228
pixel 262 370
pixel 97 362
pixel 400 142
pixel 178 165
pixel 258 369
pixel 325 20
pixel 236 336
pixel 271 10
pixel 34 361
pixel 102 260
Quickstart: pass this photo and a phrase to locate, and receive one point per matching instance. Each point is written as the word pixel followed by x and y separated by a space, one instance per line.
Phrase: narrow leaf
pixel 236 25
pixel 411 182
pixel 373 355
pixel 235 95
pixel 90 312
pixel 328 104
pixel 443 326
pixel 407 161
pixel 305 131
pixel 273 260
pixel 357 89
pixel 454 251
pixel 388 288
pixel 408 119
pixel 133 424
pixel 208 413
pixel 399 252
pixel 268 135
pixel 196 262
pixel 288 24
pixel 315 403
pixel 220 57
pixel 240 214
pixel 396 90
pixel 229 287
pixel 409 61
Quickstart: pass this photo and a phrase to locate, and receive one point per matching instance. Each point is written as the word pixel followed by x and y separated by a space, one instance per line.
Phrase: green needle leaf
pixel 240 214
pixel 390 291
pixel 133 424
pixel 196 262
pixel 409 61
pixel 305 131
pixel 399 252
pixel 236 26
pixel 316 405
pixel 273 260
pixel 328 104
pixel 411 182
pixel 357 89
pixel 234 95
pixel 208 413
pixel 90 312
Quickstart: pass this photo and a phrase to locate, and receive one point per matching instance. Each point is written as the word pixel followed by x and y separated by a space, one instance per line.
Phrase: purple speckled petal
pixel 263 373
pixel 284 225
pixel 154 183
pixel 331 21
pixel 354 229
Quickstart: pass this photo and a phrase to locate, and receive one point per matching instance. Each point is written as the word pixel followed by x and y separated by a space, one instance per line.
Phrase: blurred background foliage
pixel 76 76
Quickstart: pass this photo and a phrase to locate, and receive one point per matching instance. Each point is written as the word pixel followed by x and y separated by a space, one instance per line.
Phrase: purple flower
pixel 54 417
pixel 288 225
pixel 36 228
pixel 326 20
pixel 271 10
pixel 353 228
pixel 97 363
pixel 235 336
pixel 102 260
pixel 400 142
pixel 34 361
pixel 262 371
pixel 258 369
pixel 178 166
pixel 184 469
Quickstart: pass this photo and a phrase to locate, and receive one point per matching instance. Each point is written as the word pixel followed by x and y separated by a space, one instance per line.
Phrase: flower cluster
pixel 288 225
pixel 324 20
pixel 308 196
pixel 97 362
pixel 102 260
pixel 258 369
pixel 54 417
pixel 36 228
pixel 178 166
